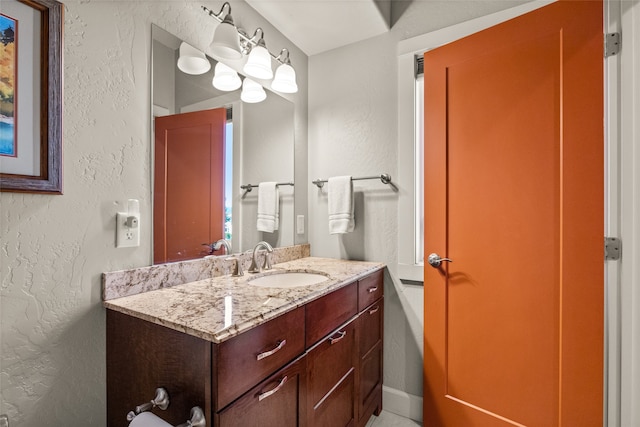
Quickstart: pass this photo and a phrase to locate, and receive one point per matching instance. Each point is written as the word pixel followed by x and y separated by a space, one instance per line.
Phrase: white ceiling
pixel 320 25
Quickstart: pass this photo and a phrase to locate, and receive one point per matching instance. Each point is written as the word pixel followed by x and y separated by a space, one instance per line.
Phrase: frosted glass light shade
pixel 259 63
pixel 252 92
pixel 285 79
pixel 226 78
pixel 192 61
pixel 226 43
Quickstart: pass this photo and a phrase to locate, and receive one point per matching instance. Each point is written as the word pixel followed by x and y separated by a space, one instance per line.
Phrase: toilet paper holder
pixel 196 420
pixel 161 401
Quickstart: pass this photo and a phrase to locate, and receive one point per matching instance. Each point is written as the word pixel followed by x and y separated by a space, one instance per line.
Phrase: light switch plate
pixel 300 224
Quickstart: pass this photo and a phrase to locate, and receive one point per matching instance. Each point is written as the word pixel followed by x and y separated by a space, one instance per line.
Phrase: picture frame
pixel 46 141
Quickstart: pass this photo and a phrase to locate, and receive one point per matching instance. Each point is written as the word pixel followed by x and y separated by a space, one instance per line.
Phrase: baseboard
pixel 402 403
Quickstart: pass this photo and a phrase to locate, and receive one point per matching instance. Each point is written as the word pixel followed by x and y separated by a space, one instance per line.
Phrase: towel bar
pixel 248 187
pixel 385 178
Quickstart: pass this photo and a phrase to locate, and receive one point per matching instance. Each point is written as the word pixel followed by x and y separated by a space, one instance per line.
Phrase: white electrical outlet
pixel 127 230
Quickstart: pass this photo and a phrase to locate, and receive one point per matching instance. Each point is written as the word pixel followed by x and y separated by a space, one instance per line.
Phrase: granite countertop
pixel 221 307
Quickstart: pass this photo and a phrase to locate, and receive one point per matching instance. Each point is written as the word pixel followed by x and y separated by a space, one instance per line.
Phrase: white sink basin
pixel 288 279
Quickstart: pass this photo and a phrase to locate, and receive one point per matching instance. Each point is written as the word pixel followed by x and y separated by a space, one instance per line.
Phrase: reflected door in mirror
pixel 188 206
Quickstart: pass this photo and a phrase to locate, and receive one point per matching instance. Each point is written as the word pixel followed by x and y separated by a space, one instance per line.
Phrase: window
pixel 410 168
pixel 228 176
pixel 419 166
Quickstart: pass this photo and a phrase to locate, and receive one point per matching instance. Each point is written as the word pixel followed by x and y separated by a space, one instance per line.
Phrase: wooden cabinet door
pixel 276 402
pixel 369 392
pixel 331 379
pixel 370 327
pixel 142 356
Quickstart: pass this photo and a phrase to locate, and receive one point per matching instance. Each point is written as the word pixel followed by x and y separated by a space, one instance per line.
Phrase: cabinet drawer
pixel 327 313
pixel 371 326
pixel 247 359
pixel 331 379
pixel 370 289
pixel 329 362
pixel 276 402
pixel 337 410
pixel 370 377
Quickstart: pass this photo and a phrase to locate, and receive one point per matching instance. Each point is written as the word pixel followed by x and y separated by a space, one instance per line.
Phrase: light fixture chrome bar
pixel 385 178
pixel 248 42
pixel 248 187
pixel 217 16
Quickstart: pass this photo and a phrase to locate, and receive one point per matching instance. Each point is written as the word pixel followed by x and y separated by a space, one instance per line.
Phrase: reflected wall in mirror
pixel 206 144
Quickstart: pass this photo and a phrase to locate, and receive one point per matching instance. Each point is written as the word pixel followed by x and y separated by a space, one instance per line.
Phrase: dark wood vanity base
pixel 319 365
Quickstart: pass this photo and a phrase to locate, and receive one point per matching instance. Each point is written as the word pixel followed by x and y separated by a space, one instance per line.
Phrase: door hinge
pixel 612 43
pixel 612 248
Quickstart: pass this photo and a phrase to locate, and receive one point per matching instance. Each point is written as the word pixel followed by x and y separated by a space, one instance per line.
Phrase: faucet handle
pixel 254 266
pixel 237 270
pixel 267 261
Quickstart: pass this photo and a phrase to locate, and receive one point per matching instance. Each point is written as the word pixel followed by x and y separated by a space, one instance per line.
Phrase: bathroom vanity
pixel 252 355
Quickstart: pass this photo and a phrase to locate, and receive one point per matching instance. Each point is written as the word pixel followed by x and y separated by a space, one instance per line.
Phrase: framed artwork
pixel 31 96
pixel 8 83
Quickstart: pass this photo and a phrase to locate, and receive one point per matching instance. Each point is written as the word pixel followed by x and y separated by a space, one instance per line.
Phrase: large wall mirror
pixel 195 186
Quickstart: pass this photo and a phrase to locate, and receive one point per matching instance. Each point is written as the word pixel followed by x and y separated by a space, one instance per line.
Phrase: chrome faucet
pixel 255 268
pixel 220 243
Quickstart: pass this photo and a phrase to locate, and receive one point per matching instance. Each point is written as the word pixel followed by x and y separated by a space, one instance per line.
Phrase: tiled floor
pixel 387 419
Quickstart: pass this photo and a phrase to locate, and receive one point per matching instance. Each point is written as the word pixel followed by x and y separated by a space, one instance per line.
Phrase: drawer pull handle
pixel 271 352
pixel 374 309
pixel 273 390
pixel 341 334
pixel 372 290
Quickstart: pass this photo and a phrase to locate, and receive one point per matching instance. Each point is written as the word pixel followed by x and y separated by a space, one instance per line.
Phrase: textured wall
pixel 53 249
pixel 353 131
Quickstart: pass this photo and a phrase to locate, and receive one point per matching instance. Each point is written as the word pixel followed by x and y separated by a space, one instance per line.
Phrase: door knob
pixel 434 260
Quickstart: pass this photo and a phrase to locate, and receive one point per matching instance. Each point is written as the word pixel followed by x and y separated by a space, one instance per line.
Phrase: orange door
pixel 514 196
pixel 188 206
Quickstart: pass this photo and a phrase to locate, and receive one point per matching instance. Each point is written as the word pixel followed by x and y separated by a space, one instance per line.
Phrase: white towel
pixel 268 207
pixel 340 202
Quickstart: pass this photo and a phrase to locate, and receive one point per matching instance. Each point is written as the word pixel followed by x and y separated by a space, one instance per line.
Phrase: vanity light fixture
pixel 252 92
pixel 192 61
pixel 225 43
pixel 285 79
pixel 233 44
pixel 225 78
pixel 259 62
